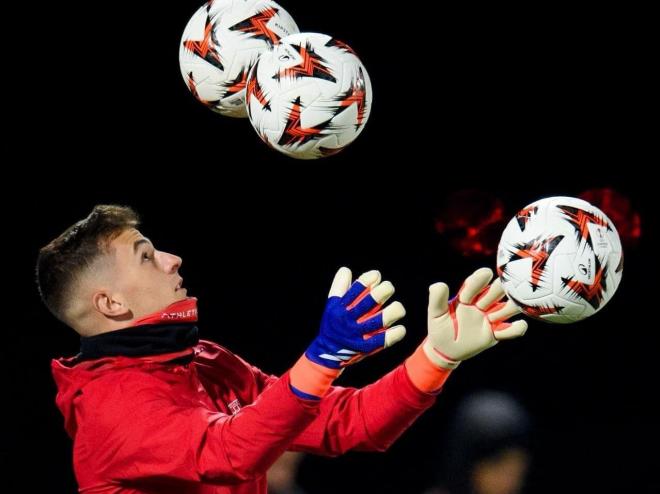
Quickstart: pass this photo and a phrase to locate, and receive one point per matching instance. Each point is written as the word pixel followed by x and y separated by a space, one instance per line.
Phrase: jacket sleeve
pixel 145 433
pixel 367 419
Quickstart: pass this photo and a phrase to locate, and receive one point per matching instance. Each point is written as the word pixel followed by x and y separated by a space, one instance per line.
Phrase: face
pixel 146 279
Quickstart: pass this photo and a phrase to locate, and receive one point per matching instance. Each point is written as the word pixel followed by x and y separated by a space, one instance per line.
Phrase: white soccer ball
pixel 221 42
pixel 309 96
pixel 560 259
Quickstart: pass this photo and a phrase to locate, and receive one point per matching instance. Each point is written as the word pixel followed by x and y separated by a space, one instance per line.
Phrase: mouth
pixel 178 285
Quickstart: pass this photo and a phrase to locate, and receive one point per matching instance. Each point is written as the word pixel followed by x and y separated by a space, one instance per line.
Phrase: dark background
pixel 518 104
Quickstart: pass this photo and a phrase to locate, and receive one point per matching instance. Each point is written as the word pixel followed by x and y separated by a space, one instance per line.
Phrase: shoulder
pixel 123 388
pixel 217 364
pixel 119 403
pixel 209 350
pixel 210 353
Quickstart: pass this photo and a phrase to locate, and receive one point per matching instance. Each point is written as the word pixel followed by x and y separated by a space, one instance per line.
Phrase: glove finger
pixel 392 313
pixel 508 331
pixel 371 342
pixel 341 283
pixel 490 295
pixel 370 278
pixel 382 292
pixel 374 344
pixel 474 283
pixel 438 300
pixel 371 321
pixel 371 301
pixel 360 288
pixel 374 321
pixel 394 335
pixel 383 339
pixel 502 312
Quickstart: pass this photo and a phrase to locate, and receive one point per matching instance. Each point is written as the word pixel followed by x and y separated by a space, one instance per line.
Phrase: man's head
pixel 102 273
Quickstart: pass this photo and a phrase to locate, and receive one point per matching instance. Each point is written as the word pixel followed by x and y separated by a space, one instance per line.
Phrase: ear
pixel 110 305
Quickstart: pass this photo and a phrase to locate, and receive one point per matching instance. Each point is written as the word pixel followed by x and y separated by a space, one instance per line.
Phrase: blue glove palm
pixel 354 324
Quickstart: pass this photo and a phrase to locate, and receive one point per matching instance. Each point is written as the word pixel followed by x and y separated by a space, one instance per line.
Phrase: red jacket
pixel 143 425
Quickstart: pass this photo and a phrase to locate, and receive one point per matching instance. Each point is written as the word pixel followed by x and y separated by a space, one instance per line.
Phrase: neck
pixel 171 329
pixel 180 311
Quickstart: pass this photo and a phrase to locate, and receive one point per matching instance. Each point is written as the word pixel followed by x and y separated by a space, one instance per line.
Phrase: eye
pixel 146 256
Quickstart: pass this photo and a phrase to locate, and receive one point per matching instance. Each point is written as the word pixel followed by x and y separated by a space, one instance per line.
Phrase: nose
pixel 169 262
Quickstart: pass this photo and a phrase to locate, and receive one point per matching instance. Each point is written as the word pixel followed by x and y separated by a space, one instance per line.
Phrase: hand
pixel 471 322
pixel 354 324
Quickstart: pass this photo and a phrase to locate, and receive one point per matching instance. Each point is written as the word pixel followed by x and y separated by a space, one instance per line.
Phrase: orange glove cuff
pixel 312 378
pixel 424 374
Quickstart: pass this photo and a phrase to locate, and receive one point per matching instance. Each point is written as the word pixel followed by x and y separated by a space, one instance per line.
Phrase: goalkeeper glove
pixel 476 319
pixel 354 326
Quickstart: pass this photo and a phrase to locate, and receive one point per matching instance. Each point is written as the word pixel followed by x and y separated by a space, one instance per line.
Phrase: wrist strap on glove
pixel 424 374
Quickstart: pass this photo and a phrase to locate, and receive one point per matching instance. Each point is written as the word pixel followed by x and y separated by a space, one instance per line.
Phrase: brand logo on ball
pixel 601 241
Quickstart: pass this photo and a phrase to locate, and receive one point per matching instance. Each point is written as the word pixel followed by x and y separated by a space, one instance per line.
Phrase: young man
pixel 151 408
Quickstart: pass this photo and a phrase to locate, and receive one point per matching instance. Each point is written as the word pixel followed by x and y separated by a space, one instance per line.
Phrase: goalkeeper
pixel 152 408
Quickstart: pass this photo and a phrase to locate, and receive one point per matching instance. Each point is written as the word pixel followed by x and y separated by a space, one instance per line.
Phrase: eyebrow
pixel 139 242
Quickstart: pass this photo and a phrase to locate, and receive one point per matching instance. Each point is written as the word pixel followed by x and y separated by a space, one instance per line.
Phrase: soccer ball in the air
pixel 309 96
pixel 221 42
pixel 560 259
